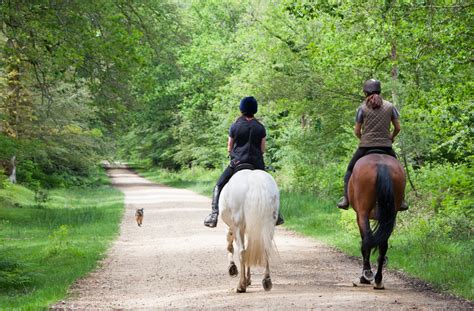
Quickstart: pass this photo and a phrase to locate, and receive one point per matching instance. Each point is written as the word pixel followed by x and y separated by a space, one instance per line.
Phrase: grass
pixel 45 247
pixel 415 247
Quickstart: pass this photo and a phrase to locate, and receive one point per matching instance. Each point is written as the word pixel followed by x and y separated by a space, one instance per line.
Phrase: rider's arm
pixel 263 145
pixel 396 123
pixel 358 122
pixel 357 130
pixel 396 129
pixel 230 144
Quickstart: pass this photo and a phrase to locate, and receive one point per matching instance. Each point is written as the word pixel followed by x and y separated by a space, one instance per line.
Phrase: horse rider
pixel 372 127
pixel 246 145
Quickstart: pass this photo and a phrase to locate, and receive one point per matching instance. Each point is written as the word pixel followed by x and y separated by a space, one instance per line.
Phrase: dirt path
pixel 174 262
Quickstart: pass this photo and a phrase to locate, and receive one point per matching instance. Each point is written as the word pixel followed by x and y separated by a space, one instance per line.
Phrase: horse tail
pixel 261 206
pixel 385 212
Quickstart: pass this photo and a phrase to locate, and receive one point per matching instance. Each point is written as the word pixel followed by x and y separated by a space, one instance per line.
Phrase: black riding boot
pixel 211 219
pixel 404 206
pixel 344 202
pixel 280 220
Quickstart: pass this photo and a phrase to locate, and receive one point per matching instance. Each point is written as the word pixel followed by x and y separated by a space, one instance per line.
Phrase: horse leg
pixel 267 281
pixel 249 281
pixel 381 262
pixel 230 255
pixel 243 277
pixel 364 228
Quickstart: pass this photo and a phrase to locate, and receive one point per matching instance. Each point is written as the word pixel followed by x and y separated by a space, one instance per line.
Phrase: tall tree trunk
pixel 396 102
pixel 12 102
pixel 12 176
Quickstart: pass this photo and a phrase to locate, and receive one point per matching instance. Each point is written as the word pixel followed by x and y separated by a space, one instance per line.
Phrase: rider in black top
pixel 246 145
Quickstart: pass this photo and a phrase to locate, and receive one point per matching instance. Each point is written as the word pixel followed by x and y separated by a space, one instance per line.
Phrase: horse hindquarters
pixel 261 207
pixel 249 205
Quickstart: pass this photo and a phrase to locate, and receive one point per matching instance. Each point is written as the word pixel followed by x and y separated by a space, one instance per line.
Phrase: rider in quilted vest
pixel 246 145
pixel 372 127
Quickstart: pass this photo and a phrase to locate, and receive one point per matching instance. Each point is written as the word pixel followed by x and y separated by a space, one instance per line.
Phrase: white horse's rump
pixel 249 205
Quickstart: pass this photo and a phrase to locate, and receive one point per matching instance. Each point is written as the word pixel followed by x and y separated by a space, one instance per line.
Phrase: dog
pixel 139 216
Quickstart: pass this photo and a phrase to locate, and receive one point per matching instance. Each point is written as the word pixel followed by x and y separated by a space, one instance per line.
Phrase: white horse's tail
pixel 261 208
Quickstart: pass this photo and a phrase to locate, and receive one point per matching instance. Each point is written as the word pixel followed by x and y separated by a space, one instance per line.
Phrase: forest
pixel 158 83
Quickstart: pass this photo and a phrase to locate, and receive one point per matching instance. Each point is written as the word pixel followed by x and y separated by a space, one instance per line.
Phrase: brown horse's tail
pixel 385 212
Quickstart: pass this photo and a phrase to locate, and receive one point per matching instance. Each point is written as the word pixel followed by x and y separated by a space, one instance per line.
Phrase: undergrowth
pixel 45 245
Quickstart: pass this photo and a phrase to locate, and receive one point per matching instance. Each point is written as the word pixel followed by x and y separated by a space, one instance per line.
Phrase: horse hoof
pixel 267 284
pixel 233 272
pixel 368 275
pixel 364 280
pixel 249 282
pixel 241 290
pixel 379 285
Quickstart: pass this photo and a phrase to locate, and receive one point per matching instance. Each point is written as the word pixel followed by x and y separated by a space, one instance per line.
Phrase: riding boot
pixel 280 220
pixel 344 201
pixel 211 219
pixel 403 206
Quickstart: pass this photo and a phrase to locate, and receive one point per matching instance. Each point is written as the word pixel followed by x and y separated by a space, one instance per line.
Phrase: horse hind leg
pixel 267 281
pixel 249 281
pixel 233 271
pixel 381 261
pixel 367 275
pixel 242 288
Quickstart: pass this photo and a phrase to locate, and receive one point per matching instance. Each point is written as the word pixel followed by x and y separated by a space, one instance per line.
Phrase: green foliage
pixel 76 72
pixel 14 275
pixel 3 181
pixel 58 241
pixel 447 194
pixel 41 197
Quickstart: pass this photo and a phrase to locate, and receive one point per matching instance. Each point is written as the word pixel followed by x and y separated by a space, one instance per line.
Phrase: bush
pixel 58 240
pixel 447 193
pixel 3 181
pixel 13 275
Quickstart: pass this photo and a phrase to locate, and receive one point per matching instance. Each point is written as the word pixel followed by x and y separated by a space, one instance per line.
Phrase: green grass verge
pixel 45 248
pixel 415 247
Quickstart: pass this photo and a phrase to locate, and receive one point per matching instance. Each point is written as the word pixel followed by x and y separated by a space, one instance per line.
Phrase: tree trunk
pixel 394 74
pixel 12 176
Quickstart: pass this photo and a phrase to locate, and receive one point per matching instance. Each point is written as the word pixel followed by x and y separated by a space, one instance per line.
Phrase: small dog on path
pixel 139 216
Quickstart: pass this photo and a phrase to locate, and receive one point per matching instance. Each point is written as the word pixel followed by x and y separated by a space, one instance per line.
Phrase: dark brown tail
pixel 386 213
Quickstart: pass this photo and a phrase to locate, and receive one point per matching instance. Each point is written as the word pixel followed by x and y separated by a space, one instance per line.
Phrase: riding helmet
pixel 248 105
pixel 372 86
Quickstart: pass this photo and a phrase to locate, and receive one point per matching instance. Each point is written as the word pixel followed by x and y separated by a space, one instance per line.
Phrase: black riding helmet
pixel 372 86
pixel 248 106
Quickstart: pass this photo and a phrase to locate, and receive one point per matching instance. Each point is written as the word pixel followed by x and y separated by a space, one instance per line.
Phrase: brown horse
pixel 376 191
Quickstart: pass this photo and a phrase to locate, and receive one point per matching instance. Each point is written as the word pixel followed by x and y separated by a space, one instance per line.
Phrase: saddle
pixel 377 151
pixel 243 166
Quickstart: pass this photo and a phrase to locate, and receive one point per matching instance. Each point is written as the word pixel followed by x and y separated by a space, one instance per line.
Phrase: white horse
pixel 249 205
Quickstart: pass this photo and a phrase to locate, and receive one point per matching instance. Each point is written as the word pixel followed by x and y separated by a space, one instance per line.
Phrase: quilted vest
pixel 376 125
